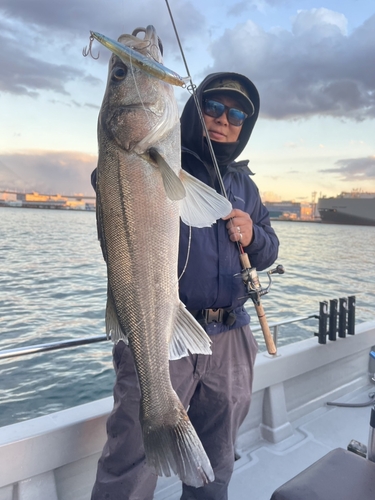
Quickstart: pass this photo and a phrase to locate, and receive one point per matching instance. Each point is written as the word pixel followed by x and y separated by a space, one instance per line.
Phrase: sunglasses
pixel 215 109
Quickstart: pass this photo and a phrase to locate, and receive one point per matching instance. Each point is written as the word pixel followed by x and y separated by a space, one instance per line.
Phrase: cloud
pixel 238 8
pixel 63 172
pixel 314 69
pixel 25 75
pixel 24 71
pixel 9 178
pixel 323 21
pixel 270 196
pixel 78 18
pixel 41 41
pixel 354 169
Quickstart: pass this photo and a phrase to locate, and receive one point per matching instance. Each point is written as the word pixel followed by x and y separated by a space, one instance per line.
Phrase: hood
pixel 192 130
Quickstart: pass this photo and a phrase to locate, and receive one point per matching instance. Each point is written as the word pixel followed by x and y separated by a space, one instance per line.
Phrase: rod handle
pixel 270 344
pixel 245 261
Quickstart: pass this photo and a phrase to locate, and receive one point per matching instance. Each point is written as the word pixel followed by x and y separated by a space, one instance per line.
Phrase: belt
pixel 220 315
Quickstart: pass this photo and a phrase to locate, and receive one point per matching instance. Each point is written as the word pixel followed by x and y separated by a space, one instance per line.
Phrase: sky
pixel 312 61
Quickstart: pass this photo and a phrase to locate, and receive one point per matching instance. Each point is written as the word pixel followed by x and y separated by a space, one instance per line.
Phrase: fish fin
pixel 202 205
pixel 188 336
pixel 173 186
pixel 112 326
pixel 177 448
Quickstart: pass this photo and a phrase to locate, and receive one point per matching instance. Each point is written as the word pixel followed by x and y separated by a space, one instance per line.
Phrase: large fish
pixel 141 194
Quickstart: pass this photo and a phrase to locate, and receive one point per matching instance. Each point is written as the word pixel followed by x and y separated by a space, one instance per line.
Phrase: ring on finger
pixel 239 229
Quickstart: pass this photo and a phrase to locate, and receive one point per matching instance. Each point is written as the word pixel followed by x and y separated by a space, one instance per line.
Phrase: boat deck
pixel 262 469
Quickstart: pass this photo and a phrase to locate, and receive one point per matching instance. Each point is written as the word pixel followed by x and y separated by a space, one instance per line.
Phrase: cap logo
pixel 229 84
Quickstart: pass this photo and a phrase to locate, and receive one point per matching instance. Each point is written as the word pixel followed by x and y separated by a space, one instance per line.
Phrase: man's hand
pixel 240 227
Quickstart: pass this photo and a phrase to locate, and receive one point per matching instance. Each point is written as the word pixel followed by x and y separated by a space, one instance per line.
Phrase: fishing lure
pixel 130 56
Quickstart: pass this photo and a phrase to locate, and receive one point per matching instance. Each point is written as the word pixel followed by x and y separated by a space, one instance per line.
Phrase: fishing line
pixel 149 121
pixel 194 94
pixel 192 89
pixel 187 255
pixel 138 92
pixel 249 275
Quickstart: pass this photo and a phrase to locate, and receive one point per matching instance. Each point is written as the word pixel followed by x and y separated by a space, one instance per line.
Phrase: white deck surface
pixel 267 466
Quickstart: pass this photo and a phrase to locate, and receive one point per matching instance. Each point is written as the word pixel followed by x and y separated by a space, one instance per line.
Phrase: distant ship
pixel 355 208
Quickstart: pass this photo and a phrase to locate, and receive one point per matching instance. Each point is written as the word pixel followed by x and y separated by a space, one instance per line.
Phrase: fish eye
pixel 118 73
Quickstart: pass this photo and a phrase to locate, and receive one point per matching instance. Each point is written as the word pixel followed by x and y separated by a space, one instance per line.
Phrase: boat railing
pixel 50 346
pixel 275 326
pixel 332 321
pixel 63 344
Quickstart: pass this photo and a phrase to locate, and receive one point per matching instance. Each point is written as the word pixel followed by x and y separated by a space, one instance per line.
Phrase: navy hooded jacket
pixel 211 277
pixel 209 263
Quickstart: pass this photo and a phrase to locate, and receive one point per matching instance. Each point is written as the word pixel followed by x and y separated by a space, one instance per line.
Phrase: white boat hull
pixel 54 457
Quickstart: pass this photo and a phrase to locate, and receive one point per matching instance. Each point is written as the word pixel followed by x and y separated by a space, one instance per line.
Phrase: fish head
pixel 138 108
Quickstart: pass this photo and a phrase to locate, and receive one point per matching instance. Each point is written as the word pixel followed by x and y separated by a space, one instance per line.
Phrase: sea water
pixel 53 288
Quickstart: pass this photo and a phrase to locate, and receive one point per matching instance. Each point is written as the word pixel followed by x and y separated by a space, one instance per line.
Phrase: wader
pixel 217 390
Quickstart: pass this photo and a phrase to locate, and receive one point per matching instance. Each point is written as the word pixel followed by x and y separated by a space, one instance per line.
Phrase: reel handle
pixel 279 269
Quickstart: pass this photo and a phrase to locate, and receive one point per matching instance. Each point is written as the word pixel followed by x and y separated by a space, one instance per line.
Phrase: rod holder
pixel 323 317
pixel 345 312
pixel 332 319
pixel 351 315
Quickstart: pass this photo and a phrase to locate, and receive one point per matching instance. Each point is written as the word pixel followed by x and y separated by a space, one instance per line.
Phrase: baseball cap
pixel 233 88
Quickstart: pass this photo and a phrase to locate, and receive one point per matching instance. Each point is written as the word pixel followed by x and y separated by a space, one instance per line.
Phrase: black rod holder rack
pixel 337 319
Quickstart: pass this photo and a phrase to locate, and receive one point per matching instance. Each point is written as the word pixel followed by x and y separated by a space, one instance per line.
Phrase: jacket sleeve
pixel 264 248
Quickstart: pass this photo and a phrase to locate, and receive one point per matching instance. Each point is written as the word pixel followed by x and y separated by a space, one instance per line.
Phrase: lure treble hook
pixel 88 51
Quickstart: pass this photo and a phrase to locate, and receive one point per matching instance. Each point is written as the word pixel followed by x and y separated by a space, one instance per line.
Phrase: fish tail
pixel 176 448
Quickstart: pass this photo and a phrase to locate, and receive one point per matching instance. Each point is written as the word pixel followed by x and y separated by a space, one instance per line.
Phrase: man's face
pixel 219 129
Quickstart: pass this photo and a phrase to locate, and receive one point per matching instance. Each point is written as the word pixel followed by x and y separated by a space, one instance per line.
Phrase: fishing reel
pixel 254 290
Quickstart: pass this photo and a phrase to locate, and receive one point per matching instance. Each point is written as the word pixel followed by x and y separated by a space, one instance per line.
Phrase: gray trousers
pixel 218 390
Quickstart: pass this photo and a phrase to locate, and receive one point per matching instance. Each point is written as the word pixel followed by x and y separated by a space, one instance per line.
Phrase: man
pixel 216 388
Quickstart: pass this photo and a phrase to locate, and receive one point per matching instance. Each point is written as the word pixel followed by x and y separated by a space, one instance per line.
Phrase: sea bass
pixel 141 194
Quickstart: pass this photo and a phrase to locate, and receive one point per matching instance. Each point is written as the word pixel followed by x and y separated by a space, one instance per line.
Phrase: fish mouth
pixel 142 105
pixel 121 112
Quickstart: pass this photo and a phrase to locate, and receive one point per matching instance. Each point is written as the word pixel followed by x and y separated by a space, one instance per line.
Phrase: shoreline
pixel 280 219
pixel 48 207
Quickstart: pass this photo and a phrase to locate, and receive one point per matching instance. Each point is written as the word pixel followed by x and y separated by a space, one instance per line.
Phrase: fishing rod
pixel 249 274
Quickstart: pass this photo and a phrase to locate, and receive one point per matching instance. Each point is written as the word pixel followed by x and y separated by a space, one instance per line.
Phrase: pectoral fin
pixel 202 205
pixel 172 184
pixel 188 336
